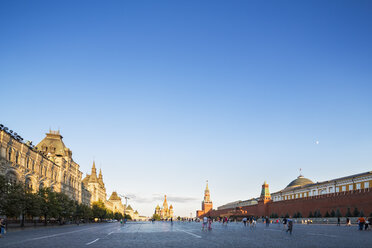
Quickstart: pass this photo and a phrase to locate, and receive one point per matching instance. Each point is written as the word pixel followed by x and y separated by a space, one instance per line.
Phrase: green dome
pixel 299 181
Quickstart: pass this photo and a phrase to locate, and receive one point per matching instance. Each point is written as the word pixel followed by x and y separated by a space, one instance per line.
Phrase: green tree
pixel 356 212
pixel 118 216
pixel 128 217
pixel 99 210
pixel 327 214
pixel 348 213
pixel 361 213
pixel 333 213
pixel 338 213
pixel 311 215
pixel 156 217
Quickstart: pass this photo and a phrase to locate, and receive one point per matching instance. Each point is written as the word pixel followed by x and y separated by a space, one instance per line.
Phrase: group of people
pixel 364 223
pixel 251 221
pixel 207 223
pixel 288 225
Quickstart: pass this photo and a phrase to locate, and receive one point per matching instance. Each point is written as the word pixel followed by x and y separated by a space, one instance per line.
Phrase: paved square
pixel 185 234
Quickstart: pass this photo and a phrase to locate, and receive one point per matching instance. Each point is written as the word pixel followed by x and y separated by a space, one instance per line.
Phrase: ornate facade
pixel 97 189
pixel 164 212
pixel 115 204
pixel 49 164
pixel 207 204
pixel 95 185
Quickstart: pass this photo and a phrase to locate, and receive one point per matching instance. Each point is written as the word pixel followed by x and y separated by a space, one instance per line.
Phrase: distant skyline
pixel 165 95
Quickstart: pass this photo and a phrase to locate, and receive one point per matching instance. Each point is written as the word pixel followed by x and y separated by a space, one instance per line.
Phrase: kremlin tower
pixel 207 204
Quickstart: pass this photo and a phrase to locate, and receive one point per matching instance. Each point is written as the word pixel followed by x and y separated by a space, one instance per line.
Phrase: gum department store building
pixel 50 164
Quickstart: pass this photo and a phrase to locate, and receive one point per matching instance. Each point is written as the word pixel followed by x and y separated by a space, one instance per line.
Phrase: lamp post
pixel 126 202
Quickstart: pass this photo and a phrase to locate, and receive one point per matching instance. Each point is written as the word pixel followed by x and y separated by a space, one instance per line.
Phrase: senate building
pixel 302 197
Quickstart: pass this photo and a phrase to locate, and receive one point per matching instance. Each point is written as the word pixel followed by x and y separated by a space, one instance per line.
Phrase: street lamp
pixel 126 202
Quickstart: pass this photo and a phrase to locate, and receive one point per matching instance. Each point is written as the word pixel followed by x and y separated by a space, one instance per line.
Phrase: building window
pixel 366 185
pixel 330 190
pixel 343 188
pixel 16 158
pixel 350 187
pixel 10 154
pixel 314 192
pixel 301 195
pixel 358 186
pixel 337 189
pixel 296 195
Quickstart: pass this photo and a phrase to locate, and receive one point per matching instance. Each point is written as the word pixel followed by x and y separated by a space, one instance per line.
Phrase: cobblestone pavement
pixel 164 234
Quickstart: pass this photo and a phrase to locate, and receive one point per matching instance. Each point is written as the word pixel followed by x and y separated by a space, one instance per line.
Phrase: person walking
pixel 290 225
pixel 361 222
pixel 209 223
pixel 366 224
pixel 348 223
pixel 2 228
pixel 284 223
pixel 338 221
pixel 267 220
pixel 205 222
pixel 245 221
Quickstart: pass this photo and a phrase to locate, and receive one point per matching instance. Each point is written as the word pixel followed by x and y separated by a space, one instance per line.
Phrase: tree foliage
pixel 156 217
pixel 16 200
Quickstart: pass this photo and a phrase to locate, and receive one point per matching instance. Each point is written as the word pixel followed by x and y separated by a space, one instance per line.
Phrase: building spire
pixel 94 171
pixel 165 203
pixel 207 197
pixel 100 174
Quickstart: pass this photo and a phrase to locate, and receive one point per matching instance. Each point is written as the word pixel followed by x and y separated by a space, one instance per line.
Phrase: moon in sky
pixel 317 142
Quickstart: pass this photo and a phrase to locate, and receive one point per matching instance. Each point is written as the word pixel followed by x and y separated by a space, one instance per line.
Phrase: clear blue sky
pixel 167 94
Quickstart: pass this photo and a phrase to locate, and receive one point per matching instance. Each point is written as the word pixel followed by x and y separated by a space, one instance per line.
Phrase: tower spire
pixel 94 171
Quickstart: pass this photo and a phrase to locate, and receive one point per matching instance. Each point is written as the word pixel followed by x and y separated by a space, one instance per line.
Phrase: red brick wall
pixel 361 199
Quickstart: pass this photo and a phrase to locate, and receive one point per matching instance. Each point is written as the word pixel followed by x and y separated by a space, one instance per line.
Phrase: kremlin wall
pixel 302 196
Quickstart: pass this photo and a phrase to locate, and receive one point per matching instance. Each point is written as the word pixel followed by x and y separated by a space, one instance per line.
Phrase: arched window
pixel 12 177
pixel 27 162
pixel 16 157
pixel 28 184
pixel 10 154
pixel 33 165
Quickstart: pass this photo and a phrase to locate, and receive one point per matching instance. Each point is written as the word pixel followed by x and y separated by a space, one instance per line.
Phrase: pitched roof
pixel 114 197
pixel 129 208
pixel 54 144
